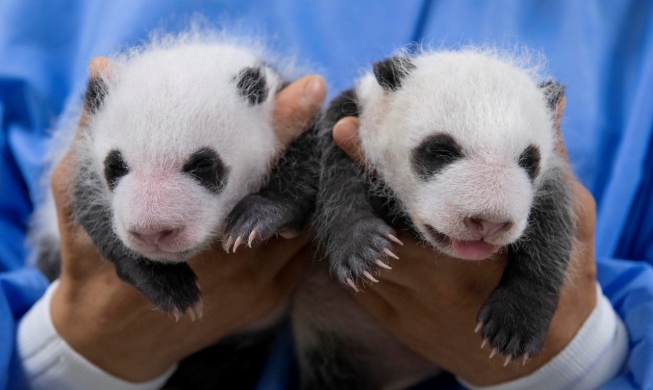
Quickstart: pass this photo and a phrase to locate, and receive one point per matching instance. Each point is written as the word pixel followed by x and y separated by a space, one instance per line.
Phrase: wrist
pixel 113 341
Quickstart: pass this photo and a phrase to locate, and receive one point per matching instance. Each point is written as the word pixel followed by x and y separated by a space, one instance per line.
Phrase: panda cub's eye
pixel 530 161
pixel 207 168
pixel 115 167
pixel 433 154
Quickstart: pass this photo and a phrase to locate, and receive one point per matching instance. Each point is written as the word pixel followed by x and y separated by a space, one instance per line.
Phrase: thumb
pixel 347 137
pixel 296 107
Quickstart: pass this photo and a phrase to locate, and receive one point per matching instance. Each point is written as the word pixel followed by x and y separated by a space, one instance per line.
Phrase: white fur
pixel 165 101
pixel 491 107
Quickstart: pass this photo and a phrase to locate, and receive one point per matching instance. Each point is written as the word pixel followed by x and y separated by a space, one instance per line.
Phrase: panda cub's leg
pixel 285 204
pixel 515 318
pixel 171 287
pixel 355 239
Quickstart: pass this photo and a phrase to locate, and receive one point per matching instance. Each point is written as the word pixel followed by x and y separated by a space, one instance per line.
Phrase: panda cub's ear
pixel 97 87
pixel 392 71
pixel 554 93
pixel 96 91
pixel 251 84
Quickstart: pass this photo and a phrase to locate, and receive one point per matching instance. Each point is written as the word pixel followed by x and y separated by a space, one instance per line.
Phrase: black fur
pixel 517 315
pixel 530 161
pixel 391 72
pixel 252 85
pixel 435 153
pixel 95 94
pixel 287 202
pixel 553 91
pixel 349 230
pixel 115 167
pixel 48 257
pixel 206 166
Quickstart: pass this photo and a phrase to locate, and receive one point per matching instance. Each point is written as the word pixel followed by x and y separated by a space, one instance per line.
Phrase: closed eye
pixel 433 154
pixel 207 168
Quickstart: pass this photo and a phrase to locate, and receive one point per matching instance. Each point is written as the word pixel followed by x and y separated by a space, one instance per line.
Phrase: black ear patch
pixel 433 154
pixel 207 168
pixel 96 91
pixel 391 72
pixel 553 91
pixel 252 85
pixel 530 161
pixel 115 167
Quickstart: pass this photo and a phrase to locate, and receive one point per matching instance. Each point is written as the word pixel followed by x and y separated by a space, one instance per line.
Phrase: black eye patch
pixel 115 167
pixel 207 168
pixel 530 161
pixel 433 154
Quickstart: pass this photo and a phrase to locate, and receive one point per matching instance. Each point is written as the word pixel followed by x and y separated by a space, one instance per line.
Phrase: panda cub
pixel 178 152
pixel 459 148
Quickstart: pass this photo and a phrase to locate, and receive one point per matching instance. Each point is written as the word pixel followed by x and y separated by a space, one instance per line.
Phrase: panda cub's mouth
pixel 462 249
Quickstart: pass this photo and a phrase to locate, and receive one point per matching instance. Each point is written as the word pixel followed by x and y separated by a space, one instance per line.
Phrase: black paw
pixel 359 248
pixel 515 324
pixel 257 218
pixel 172 288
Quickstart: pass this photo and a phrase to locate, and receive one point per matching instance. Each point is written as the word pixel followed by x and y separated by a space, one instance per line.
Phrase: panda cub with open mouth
pixel 459 147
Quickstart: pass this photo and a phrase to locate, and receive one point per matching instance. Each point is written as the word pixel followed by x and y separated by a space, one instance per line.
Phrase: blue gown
pixel 601 50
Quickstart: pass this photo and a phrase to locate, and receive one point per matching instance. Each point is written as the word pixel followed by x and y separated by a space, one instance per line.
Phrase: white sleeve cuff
pixel 49 363
pixel 593 357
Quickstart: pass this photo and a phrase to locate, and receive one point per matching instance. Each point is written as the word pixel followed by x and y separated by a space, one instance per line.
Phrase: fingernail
pixel 314 89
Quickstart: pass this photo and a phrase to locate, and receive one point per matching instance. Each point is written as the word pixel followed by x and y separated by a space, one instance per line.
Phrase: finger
pixel 297 106
pixel 347 137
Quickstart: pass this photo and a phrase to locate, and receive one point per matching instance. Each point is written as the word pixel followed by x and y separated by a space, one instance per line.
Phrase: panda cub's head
pixel 463 139
pixel 178 133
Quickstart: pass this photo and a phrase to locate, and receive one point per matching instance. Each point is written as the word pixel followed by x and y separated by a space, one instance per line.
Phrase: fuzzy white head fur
pixel 494 110
pixel 163 103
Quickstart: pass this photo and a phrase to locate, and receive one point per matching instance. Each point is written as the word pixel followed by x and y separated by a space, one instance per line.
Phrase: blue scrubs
pixel 602 51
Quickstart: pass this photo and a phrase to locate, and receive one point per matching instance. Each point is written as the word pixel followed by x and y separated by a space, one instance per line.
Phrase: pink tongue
pixel 473 250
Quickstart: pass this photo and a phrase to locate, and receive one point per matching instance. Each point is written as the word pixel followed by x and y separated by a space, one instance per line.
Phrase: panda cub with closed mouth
pixel 178 151
pixel 460 148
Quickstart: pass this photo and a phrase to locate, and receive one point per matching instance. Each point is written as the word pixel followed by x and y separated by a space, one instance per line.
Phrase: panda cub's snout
pixel 166 211
pixel 471 203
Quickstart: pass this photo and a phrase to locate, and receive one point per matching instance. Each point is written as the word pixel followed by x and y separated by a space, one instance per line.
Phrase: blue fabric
pixel 602 51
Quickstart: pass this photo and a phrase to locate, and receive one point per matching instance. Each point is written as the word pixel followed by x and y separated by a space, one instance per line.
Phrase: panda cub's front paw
pixel 359 248
pixel 258 218
pixel 173 288
pixel 514 324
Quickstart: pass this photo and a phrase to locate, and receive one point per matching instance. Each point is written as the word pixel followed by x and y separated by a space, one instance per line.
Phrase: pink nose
pixel 157 238
pixel 486 228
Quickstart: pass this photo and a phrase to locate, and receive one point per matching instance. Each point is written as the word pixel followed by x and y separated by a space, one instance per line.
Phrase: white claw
pixel 478 327
pixel 196 311
pixel 389 253
pixel 494 352
pixel 395 239
pixel 383 265
pixel 176 313
pixel 508 359
pixel 352 284
pixel 525 359
pixel 227 246
pixel 251 238
pixel 370 277
pixel 239 241
pixel 483 343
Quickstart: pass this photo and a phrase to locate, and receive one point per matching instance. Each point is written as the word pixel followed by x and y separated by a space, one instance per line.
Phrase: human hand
pixel 113 326
pixel 430 301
